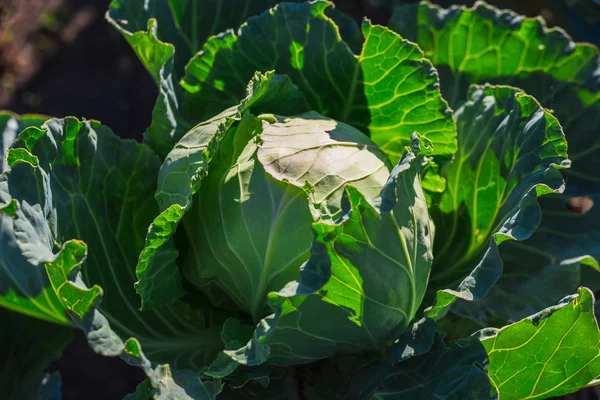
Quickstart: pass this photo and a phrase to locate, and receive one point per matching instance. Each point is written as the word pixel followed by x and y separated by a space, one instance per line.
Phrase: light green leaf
pixel 94 187
pixel 181 176
pixel 553 353
pixel 27 348
pixel 325 153
pixel 389 90
pixel 510 152
pixel 341 302
pixel 484 44
pixel 23 287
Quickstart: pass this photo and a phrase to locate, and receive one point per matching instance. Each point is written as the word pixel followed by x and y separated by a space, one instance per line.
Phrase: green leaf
pixel 143 391
pixel 553 353
pixel 389 90
pixel 23 287
pixel 165 383
pixel 10 126
pixel 455 372
pixel 561 255
pixel 357 376
pixel 464 44
pixel 417 340
pixel 322 155
pixel 94 187
pixel 342 303
pixel 51 387
pixel 234 335
pixel 510 152
pixel 164 34
pixel 181 176
pixel 273 161
pixel 28 347
pixel 484 44
pixel 183 26
pixel 284 387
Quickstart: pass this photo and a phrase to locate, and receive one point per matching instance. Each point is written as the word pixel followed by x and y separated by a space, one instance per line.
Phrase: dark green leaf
pixel 465 44
pixel 283 387
pixel 23 287
pixel 27 347
pixel 143 391
pixel 389 90
pixel 455 372
pixel 510 152
pixel 561 255
pixel 165 34
pixel 357 376
pixel 184 26
pixel 94 187
pixel 484 44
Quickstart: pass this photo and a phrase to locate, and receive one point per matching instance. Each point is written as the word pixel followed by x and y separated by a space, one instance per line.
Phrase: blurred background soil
pixel 60 58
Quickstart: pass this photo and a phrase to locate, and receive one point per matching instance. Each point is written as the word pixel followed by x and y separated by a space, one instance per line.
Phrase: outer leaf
pixel 23 287
pixel 358 376
pixel 510 150
pixel 90 185
pixel 166 383
pixel 143 391
pixel 485 44
pixel 389 90
pixel 27 347
pixel 164 34
pixel 180 178
pixel 456 372
pixel 184 26
pixel 10 126
pixel 342 303
pixel 561 255
pixel 550 354
pixel 284 387
pixel 51 387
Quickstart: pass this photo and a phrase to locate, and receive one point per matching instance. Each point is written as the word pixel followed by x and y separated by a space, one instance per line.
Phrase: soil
pixel 60 58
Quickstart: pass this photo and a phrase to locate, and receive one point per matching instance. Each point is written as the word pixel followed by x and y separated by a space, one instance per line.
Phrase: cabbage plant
pixel 317 212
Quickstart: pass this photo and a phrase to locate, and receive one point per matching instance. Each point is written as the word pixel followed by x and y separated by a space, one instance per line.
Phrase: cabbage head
pixel 293 216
